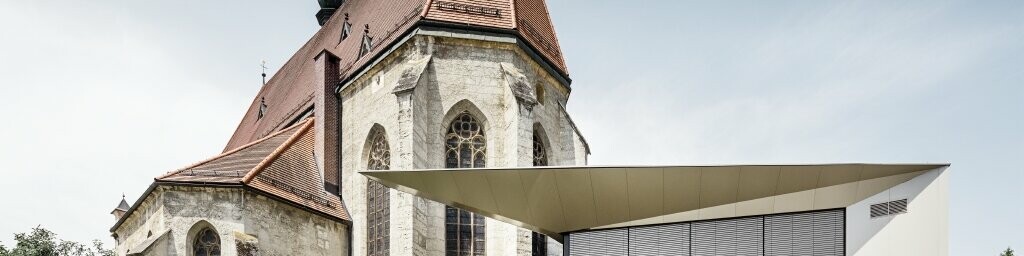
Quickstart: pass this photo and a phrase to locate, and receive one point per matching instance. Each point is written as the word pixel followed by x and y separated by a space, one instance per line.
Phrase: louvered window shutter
pixel 611 242
pixel 671 239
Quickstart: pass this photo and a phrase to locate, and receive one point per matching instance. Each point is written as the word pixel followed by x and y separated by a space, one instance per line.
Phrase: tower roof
pixel 291 90
pixel 123 206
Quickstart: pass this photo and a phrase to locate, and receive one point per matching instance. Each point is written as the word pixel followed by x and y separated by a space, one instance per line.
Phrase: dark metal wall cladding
pixel 809 233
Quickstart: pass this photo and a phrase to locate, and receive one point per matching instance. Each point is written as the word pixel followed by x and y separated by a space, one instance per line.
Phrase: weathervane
pixel 263 64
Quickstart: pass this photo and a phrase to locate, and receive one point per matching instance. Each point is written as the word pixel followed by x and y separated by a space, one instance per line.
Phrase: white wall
pixel 922 230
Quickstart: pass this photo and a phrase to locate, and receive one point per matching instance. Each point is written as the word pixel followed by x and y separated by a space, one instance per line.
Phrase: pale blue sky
pixel 101 96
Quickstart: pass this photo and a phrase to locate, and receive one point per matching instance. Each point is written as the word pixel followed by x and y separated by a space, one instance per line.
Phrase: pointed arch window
pixel 378 211
pixel 540 158
pixel 465 147
pixel 540 152
pixel 206 243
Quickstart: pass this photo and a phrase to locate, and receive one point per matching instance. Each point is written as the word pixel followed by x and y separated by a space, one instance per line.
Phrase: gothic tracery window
pixel 540 158
pixel 465 147
pixel 207 243
pixel 378 212
pixel 540 153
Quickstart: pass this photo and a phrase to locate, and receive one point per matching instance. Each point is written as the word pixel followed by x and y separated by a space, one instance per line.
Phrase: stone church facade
pixel 384 85
pixel 429 86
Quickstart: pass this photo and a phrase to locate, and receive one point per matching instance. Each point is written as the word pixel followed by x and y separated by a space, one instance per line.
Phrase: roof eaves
pixel 301 206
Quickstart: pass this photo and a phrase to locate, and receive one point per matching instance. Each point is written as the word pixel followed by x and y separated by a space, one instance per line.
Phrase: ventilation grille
pixel 898 206
pixel 888 208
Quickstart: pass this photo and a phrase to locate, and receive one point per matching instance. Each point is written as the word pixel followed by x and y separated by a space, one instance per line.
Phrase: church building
pixel 439 127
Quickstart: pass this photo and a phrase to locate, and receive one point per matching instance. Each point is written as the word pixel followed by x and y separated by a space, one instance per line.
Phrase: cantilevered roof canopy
pixel 555 200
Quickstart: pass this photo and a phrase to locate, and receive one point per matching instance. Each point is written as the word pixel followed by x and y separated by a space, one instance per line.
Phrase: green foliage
pixel 42 242
pixel 1007 252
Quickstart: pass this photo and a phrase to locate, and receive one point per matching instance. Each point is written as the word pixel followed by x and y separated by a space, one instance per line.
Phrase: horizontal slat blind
pixel 610 242
pixel 728 237
pixel 811 233
pixel 749 232
pixel 814 233
pixel 671 239
pixel 829 236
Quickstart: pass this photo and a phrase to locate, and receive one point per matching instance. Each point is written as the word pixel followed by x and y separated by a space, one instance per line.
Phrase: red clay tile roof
pixel 282 165
pixel 534 23
pixel 290 91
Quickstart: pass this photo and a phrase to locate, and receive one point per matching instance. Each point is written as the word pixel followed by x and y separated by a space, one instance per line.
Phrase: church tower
pixel 426 84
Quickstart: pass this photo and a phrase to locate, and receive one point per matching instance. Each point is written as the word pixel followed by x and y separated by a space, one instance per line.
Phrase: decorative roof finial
pixel 263 64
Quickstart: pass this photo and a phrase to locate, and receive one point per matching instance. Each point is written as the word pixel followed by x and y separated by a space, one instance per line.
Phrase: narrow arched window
pixel 207 243
pixel 465 147
pixel 540 152
pixel 378 211
pixel 540 158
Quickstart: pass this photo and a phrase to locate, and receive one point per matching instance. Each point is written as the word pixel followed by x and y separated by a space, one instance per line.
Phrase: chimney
pixel 121 209
pixel 327 8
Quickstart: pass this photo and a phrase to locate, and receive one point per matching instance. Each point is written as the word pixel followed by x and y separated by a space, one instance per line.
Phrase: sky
pixel 101 96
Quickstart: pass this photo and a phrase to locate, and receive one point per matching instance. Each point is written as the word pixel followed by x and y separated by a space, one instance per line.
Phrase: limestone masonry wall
pixel 237 216
pixel 464 73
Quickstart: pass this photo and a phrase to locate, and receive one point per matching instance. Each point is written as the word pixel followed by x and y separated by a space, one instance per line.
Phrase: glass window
pixel 207 243
pixel 540 158
pixel 378 212
pixel 465 147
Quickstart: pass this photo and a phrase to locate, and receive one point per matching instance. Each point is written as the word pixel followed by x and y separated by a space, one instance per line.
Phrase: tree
pixel 42 242
pixel 1007 252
